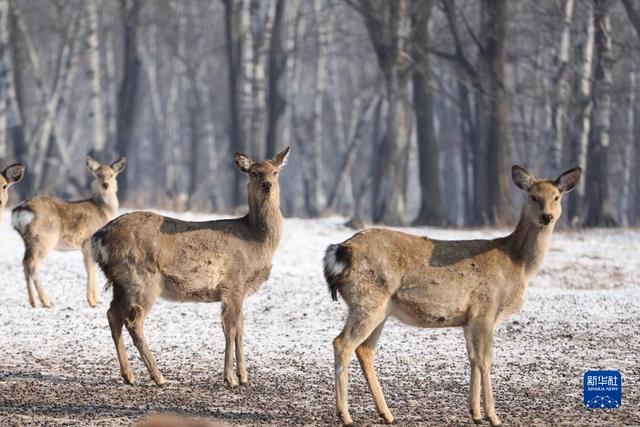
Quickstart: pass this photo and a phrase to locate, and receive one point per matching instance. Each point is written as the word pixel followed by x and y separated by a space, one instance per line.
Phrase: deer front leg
pixel 474 383
pixel 241 368
pixel 231 315
pixel 483 342
pixel 28 271
pixel 90 267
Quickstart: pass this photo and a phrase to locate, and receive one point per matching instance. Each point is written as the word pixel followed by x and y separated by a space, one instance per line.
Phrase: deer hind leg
pixel 358 328
pixel 135 326
pixel 482 336
pixel 232 328
pixel 366 354
pixel 29 269
pixel 31 263
pixel 116 322
pixel 90 267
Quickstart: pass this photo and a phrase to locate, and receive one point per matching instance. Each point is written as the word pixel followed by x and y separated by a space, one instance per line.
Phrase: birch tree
pixel 95 74
pixel 599 212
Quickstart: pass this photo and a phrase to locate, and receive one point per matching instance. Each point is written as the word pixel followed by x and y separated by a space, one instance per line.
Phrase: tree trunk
pixel 562 90
pixel 386 25
pixel 95 74
pixel 276 102
pixel 497 163
pixel 599 212
pixel 431 208
pixel 128 91
pixel 581 139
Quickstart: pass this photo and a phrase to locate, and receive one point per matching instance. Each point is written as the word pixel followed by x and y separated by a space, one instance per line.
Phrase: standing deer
pixel 145 256
pixel 47 223
pixel 11 175
pixel 472 284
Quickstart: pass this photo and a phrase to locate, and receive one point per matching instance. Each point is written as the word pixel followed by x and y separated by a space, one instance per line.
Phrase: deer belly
pixel 429 308
pixel 179 292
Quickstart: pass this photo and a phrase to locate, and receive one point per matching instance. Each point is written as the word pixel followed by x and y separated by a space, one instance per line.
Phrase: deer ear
pixel 119 165
pixel 568 180
pixel 92 165
pixel 14 173
pixel 243 162
pixel 521 177
pixel 280 159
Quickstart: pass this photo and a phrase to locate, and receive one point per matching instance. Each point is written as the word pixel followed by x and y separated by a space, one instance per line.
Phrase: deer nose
pixel 105 185
pixel 266 186
pixel 546 218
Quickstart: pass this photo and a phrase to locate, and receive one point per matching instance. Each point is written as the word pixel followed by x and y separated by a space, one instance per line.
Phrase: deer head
pixel 104 176
pixel 12 174
pixel 543 206
pixel 263 183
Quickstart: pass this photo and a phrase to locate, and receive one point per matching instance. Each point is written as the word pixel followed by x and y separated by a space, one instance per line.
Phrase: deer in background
pixel 472 284
pixel 47 223
pixel 145 256
pixel 11 175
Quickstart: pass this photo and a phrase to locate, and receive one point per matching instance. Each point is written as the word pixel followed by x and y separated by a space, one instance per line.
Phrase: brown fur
pixel 11 175
pixel 48 223
pixel 473 284
pixel 145 256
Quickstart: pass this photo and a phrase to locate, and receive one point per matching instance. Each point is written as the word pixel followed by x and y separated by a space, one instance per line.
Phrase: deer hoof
pixel 346 419
pixel 160 381
pixel 231 382
pixel 129 378
pixel 92 303
pixel 477 420
pixel 495 421
pixel 388 418
pixel 244 379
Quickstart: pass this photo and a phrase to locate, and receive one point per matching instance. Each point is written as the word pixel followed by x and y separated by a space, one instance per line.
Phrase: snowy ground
pixel 59 366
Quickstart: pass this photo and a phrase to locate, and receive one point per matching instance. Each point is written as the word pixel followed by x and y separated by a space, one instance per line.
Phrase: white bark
pixel 562 90
pixel 10 116
pixel 628 149
pixel 317 191
pixel 585 95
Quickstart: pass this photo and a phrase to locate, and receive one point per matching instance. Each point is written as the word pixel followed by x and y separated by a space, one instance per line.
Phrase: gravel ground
pixel 59 366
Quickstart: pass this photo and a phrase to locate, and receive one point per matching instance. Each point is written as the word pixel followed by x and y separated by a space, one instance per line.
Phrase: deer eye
pixel 556 198
pixel 254 174
pixel 275 173
pixel 533 198
pixel 4 186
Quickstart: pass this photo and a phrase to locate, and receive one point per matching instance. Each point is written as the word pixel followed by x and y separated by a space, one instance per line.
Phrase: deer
pixel 145 256
pixel 11 175
pixel 428 283
pixel 47 223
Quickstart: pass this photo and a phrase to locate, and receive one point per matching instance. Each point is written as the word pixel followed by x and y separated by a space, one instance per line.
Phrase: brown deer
pixel 472 284
pixel 11 175
pixel 145 256
pixel 47 223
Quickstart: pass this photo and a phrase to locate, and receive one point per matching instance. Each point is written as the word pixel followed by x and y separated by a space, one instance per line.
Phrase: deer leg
pixel 359 326
pixel 241 368
pixel 90 267
pixel 231 318
pixel 474 383
pixel 28 275
pixel 485 353
pixel 366 353
pixel 135 326
pixel 32 268
pixel 116 322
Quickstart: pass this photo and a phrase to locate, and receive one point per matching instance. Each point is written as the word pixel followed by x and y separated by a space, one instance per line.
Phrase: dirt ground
pixel 59 366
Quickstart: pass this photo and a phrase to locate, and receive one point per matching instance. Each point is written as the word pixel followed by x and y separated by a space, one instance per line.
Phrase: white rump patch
pixel 21 218
pixel 331 264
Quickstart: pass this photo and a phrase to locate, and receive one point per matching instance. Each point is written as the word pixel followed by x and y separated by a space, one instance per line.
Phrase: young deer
pixel 11 175
pixel 47 223
pixel 473 284
pixel 145 256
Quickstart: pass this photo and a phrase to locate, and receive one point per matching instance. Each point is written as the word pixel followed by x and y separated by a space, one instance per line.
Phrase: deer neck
pixel 108 202
pixel 529 243
pixel 265 221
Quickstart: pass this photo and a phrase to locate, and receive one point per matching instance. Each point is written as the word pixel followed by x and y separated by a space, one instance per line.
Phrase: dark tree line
pixel 405 111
